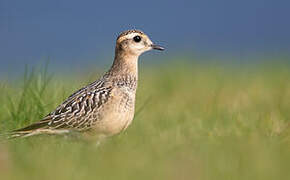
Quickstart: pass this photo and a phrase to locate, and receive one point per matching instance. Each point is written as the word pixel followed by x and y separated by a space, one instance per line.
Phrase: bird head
pixel 135 42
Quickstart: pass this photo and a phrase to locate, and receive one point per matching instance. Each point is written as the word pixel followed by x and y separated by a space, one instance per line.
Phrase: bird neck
pixel 125 65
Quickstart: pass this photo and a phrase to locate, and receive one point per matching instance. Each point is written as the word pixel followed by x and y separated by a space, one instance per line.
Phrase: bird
pixel 104 107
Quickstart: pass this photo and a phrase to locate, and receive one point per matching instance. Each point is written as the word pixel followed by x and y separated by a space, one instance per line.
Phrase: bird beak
pixel 157 47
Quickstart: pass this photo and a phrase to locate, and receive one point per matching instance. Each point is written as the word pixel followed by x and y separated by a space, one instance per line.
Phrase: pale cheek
pixel 140 46
pixel 137 47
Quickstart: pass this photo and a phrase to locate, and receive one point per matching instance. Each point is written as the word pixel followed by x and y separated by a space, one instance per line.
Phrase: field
pixel 193 121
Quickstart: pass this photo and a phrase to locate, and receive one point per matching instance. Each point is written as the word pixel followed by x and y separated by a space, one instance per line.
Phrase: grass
pixel 194 121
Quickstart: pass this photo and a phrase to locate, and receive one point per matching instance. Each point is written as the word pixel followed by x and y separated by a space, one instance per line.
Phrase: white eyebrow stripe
pixel 131 35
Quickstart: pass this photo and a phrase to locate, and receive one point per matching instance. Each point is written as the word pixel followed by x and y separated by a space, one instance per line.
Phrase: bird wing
pixel 79 112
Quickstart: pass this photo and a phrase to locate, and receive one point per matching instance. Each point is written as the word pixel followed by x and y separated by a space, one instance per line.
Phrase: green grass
pixel 194 121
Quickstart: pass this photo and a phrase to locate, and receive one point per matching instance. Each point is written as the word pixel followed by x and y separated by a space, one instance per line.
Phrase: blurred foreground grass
pixel 194 121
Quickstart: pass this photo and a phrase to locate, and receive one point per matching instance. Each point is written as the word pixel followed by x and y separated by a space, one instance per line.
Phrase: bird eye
pixel 137 38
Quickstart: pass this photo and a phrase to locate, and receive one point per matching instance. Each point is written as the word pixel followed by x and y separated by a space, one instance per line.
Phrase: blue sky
pixel 81 32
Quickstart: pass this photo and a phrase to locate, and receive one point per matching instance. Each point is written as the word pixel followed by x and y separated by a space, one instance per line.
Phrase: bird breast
pixel 117 114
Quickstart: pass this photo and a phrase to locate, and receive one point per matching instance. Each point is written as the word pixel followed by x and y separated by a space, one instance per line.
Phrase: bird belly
pixel 116 115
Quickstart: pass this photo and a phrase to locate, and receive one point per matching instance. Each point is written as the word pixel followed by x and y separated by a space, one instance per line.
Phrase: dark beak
pixel 157 47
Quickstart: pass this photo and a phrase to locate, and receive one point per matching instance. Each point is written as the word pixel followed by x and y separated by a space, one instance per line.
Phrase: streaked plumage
pixel 106 106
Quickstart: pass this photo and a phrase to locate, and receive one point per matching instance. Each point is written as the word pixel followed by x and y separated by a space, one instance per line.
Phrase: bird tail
pixel 33 129
pixel 40 127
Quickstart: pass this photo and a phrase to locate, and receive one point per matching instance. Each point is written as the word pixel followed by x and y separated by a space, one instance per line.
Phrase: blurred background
pixel 214 105
pixel 77 34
